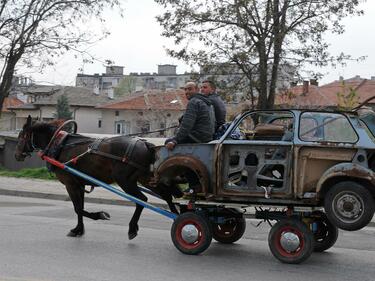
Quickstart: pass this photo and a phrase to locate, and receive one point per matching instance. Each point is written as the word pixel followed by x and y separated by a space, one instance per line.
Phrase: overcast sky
pixel 135 43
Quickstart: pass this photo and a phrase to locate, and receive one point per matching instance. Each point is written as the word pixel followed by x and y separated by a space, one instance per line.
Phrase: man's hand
pixel 170 145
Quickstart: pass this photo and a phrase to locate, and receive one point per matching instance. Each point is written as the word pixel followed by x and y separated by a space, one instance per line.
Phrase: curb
pixel 62 197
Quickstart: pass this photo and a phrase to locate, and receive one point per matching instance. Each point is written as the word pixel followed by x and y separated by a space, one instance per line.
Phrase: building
pixel 102 84
pixel 82 102
pixel 165 79
pixel 227 76
pixel 336 93
pixel 8 116
pixel 148 111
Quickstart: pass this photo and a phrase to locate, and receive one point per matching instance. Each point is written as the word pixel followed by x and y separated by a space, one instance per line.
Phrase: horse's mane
pixel 46 126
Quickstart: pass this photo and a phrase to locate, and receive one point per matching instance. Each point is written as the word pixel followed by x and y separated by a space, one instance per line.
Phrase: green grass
pixel 35 173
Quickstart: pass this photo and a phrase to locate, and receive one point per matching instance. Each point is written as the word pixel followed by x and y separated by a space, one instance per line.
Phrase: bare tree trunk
pixel 262 98
pixel 6 81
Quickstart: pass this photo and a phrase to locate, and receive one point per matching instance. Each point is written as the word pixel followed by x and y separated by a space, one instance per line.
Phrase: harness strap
pixel 94 148
pixel 121 159
pixel 130 148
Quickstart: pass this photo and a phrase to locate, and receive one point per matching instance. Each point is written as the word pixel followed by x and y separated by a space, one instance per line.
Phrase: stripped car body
pixel 283 157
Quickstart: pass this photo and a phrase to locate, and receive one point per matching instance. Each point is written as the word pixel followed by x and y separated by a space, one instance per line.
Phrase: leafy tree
pixel 347 98
pixel 261 38
pixel 34 32
pixel 125 87
pixel 62 108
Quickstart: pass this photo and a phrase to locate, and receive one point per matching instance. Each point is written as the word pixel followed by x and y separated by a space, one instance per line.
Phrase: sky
pixel 136 43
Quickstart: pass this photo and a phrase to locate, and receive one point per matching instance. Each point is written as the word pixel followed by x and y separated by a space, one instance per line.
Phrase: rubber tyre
pixel 229 232
pixel 326 234
pixel 354 197
pixel 204 236
pixel 297 229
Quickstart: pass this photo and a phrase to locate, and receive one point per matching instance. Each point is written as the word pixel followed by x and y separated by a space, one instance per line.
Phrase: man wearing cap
pixel 196 125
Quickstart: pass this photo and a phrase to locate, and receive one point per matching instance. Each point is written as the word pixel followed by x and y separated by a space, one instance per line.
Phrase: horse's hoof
pixel 104 216
pixel 132 235
pixel 75 233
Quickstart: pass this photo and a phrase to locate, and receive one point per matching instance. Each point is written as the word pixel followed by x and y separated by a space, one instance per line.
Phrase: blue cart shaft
pixel 108 187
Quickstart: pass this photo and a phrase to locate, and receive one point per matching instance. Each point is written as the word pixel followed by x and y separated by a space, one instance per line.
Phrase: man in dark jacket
pixel 196 125
pixel 208 89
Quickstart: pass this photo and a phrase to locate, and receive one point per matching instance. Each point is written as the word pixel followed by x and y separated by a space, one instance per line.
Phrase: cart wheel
pixel 349 205
pixel 290 241
pixel 229 232
pixel 191 233
pixel 326 233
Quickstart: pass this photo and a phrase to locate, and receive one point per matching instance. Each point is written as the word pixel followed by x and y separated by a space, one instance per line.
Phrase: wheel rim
pixel 189 234
pixel 348 206
pixel 289 241
pixel 225 230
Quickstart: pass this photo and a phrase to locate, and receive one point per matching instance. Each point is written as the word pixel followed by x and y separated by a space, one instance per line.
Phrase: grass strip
pixel 35 173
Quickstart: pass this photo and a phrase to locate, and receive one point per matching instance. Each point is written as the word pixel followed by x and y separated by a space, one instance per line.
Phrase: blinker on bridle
pixel 28 140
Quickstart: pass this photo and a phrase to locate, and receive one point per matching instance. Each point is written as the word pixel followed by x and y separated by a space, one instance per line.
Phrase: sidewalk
pixel 55 190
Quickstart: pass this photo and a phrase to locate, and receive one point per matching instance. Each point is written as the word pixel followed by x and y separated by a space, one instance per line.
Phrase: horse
pixel 107 164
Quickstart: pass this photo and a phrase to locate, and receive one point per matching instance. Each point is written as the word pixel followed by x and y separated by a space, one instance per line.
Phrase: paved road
pixel 33 246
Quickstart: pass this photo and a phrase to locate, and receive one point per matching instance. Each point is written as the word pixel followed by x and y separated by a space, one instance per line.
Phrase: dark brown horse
pixel 107 164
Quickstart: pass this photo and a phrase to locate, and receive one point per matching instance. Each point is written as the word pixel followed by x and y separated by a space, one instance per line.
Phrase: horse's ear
pixel 28 122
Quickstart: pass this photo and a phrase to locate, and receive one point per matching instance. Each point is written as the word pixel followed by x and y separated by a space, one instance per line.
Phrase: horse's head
pixel 36 136
pixel 24 146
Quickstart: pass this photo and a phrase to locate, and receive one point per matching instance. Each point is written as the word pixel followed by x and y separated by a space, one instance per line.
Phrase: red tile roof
pixel 10 102
pixel 151 100
pixel 326 95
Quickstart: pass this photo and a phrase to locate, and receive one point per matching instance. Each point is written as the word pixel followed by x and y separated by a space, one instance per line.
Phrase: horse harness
pixel 126 158
pixel 58 143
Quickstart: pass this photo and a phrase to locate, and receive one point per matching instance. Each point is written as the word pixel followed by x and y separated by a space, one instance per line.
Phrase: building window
pixel 146 128
pixel 162 132
pixel 118 128
pixel 117 113
pixel 122 127
pixel 99 123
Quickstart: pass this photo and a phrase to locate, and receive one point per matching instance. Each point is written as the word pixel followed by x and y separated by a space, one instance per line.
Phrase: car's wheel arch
pixel 346 172
pixel 184 162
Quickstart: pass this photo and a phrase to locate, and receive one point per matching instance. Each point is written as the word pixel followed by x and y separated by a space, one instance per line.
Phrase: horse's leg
pixel 96 215
pixel 167 192
pixel 76 194
pixel 131 188
pixel 168 198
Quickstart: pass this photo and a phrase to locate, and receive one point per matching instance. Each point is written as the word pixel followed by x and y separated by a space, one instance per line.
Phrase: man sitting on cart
pixel 197 126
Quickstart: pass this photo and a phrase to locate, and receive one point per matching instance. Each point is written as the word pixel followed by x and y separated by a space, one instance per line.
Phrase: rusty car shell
pixel 297 171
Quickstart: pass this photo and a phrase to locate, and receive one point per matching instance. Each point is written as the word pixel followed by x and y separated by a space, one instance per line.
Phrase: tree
pixel 347 98
pixel 34 32
pixel 126 86
pixel 62 108
pixel 259 37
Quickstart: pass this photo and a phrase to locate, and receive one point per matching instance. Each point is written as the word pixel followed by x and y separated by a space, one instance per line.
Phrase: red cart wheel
pixel 290 241
pixel 230 231
pixel 191 234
